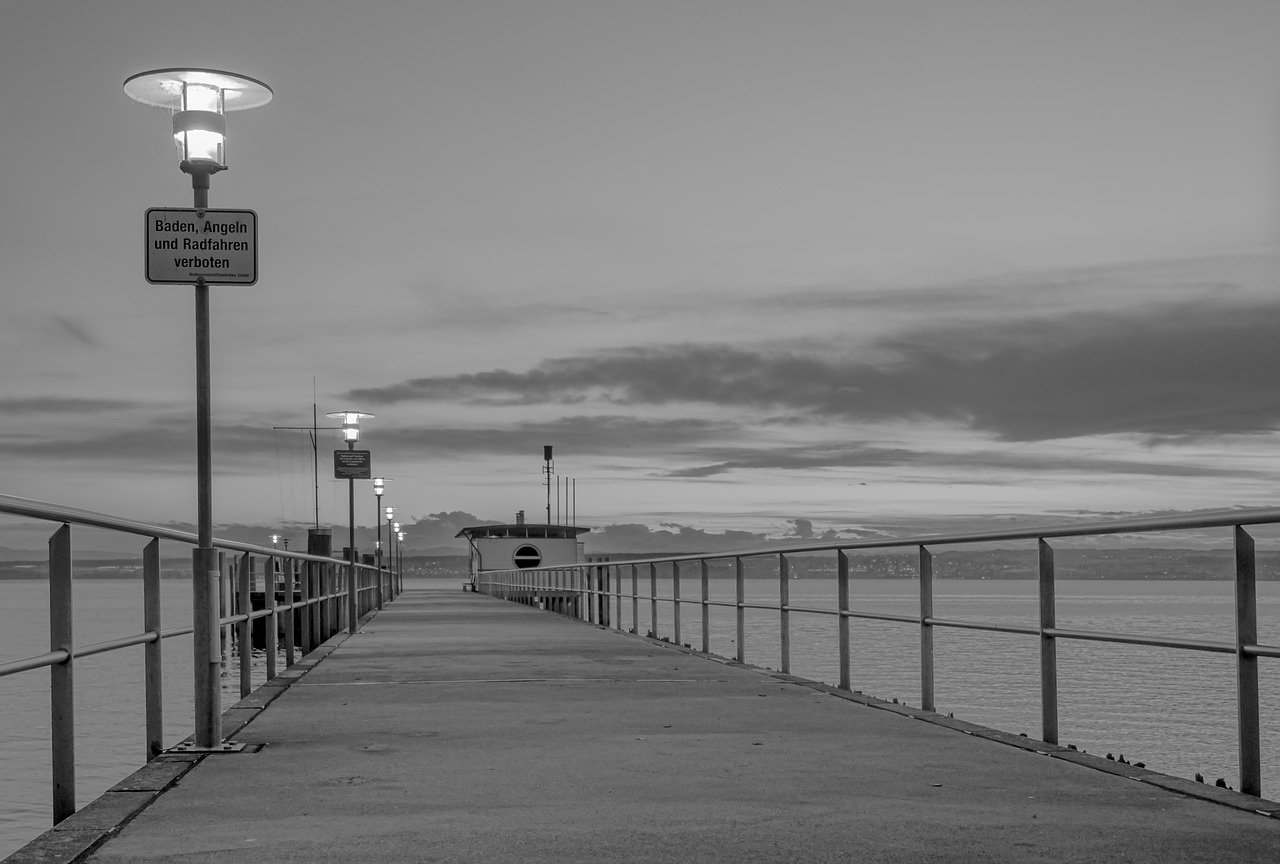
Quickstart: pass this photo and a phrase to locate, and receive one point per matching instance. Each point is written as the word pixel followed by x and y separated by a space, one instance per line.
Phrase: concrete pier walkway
pixel 456 727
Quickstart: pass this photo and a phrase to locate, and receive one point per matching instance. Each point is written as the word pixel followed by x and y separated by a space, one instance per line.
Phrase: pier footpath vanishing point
pixel 458 727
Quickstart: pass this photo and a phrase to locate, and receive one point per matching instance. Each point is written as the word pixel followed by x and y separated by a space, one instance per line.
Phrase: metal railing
pixel 314 589
pixel 583 591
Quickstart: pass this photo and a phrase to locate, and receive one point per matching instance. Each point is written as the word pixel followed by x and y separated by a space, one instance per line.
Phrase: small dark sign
pixel 352 465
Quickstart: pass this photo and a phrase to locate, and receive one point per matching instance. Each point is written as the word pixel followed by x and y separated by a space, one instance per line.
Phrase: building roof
pixel 526 530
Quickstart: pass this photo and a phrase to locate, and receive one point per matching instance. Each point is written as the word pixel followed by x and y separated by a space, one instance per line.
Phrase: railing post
pixel 294 621
pixel 653 600
pixel 784 615
pixel 151 653
pixel 304 613
pixel 1048 648
pixel 272 622
pixel 926 630
pixel 741 593
pixel 62 700
pixel 706 608
pixel 675 602
pixel 842 603
pixel 605 572
pixel 224 579
pixel 243 628
pixel 1247 718
pixel 635 599
pixel 617 597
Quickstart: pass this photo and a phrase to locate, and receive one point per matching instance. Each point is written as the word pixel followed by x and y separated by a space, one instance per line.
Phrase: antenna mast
pixel 546 470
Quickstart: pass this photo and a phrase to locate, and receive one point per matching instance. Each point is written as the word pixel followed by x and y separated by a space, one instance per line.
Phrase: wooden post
pixel 741 591
pixel 675 602
pixel 653 600
pixel 62 699
pixel 842 601
pixel 151 652
pixel 784 614
pixel 293 622
pixel 706 607
pixel 243 630
pixel 1247 716
pixel 1048 648
pixel 926 630
pixel 272 621
pixel 635 599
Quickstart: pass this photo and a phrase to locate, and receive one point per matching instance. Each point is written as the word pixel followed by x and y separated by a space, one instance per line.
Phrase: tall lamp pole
pixel 391 561
pixel 378 489
pixel 199 100
pixel 351 434
pixel 400 558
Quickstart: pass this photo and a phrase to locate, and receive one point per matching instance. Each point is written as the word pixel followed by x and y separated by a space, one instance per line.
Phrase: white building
pixel 521 545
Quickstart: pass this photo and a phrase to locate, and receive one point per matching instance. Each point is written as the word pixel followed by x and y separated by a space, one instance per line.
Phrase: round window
pixel 527 556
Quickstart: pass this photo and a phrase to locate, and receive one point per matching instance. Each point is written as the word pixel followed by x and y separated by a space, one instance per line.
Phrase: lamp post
pixel 396 527
pixel 378 489
pixel 199 100
pixel 400 556
pixel 390 558
pixel 351 434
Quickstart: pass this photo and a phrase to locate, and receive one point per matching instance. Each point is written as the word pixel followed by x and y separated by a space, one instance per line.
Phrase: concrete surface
pixel 456 727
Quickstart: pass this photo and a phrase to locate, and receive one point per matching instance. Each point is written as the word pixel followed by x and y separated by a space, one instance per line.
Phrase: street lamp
pixel 351 434
pixel 378 489
pixel 391 562
pixel 199 100
pixel 400 556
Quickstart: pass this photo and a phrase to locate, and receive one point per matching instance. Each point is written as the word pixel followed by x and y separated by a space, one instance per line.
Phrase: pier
pixel 454 726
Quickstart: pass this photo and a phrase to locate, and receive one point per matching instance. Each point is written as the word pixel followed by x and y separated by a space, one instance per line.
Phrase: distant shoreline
pixel 1137 564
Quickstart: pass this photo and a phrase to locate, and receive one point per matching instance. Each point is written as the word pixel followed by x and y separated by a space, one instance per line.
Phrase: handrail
pixel 582 590
pixel 313 609
pixel 45 511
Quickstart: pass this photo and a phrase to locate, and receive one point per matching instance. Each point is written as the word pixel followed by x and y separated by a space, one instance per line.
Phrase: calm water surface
pixel 1172 709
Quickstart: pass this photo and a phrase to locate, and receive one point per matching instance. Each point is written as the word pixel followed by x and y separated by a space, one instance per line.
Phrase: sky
pixel 798 269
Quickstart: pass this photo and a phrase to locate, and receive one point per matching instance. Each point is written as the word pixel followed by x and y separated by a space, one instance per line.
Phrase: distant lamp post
pixel 400 554
pixel 351 434
pixel 199 100
pixel 275 538
pixel 378 489
pixel 398 535
pixel 389 511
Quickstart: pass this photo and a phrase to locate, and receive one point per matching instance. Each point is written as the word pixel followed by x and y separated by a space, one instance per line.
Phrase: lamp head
pixel 350 423
pixel 199 100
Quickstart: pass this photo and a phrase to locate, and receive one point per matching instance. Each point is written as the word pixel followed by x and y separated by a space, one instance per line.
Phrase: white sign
pixel 218 246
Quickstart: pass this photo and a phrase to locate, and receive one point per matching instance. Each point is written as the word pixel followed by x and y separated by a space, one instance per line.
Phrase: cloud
pixel 76 331
pixel 608 435
pixel 1184 369
pixel 987 463
pixel 62 405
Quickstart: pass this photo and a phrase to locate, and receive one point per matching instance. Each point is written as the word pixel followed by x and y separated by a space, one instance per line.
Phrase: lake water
pixel 1172 709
